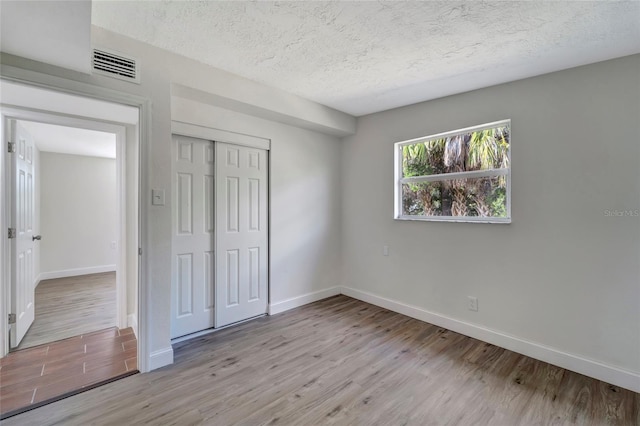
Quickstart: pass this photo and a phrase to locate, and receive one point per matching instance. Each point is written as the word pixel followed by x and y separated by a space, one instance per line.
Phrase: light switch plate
pixel 157 197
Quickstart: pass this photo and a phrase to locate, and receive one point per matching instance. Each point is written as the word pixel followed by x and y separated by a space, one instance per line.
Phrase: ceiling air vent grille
pixel 115 65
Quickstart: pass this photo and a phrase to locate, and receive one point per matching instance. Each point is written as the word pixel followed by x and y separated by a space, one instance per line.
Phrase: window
pixel 458 176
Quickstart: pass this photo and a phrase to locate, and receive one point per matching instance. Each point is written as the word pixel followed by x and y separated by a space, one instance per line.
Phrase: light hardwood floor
pixel 341 361
pixel 67 307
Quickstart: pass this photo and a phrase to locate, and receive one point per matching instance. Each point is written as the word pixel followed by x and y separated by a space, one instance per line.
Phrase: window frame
pixel 399 180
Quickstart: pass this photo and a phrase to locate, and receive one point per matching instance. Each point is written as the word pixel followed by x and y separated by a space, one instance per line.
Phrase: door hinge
pixel 12 233
pixel 12 318
pixel 11 147
pixel 140 251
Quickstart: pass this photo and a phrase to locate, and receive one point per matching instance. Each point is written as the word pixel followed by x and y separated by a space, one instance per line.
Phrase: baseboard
pixel 160 358
pixel 132 321
pixel 294 302
pixel 619 377
pixel 75 272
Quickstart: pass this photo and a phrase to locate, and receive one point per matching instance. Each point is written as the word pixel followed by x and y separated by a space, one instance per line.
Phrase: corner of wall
pixel 132 321
pixel 607 373
pixel 295 302
pixel 160 358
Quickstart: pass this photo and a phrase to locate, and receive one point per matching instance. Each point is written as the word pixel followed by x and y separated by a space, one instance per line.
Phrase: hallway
pixel 67 307
pixel 73 344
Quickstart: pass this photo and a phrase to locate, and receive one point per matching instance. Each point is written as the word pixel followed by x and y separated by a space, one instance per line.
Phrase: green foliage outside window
pixel 486 196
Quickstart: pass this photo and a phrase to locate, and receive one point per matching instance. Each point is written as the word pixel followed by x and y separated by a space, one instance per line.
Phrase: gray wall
pixel 563 274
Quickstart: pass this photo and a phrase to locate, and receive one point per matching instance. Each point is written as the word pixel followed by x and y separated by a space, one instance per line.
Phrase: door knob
pixel 36 237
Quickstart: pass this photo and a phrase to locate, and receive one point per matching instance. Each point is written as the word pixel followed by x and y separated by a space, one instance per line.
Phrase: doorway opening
pixel 71 233
pixel 72 186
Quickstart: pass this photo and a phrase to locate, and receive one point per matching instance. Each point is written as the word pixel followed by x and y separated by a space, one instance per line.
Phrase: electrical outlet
pixel 473 303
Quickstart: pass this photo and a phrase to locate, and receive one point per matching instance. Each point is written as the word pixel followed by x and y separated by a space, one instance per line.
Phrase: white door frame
pixel 218 135
pixel 21 114
pixel 143 105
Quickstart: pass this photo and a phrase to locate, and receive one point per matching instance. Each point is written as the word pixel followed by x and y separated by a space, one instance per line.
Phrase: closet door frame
pixel 179 128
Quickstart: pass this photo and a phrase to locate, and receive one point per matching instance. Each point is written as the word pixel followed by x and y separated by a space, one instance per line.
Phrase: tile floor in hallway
pixel 35 376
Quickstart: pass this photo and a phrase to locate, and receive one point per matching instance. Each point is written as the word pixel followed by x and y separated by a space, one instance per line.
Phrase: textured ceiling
pixel 363 57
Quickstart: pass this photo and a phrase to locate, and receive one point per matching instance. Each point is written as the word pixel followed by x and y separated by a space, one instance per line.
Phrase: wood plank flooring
pixel 38 375
pixel 67 307
pixel 341 361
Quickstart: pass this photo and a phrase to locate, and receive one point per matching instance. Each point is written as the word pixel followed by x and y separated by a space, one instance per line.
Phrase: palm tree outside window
pixel 458 176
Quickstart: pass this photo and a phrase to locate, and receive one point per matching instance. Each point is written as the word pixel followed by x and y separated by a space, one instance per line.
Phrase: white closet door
pixel 23 276
pixel 241 233
pixel 192 299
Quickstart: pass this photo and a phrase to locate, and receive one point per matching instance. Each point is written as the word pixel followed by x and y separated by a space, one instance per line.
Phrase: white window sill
pixel 469 219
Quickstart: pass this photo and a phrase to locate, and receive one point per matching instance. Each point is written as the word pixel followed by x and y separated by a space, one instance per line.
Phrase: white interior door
pixel 23 214
pixel 241 233
pixel 193 227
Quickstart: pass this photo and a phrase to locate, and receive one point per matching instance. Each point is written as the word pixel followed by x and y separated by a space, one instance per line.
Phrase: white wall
pixel 53 32
pixel 79 217
pixel 563 275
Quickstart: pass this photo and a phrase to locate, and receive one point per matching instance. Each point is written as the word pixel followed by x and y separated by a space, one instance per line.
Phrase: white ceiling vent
pixel 115 65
